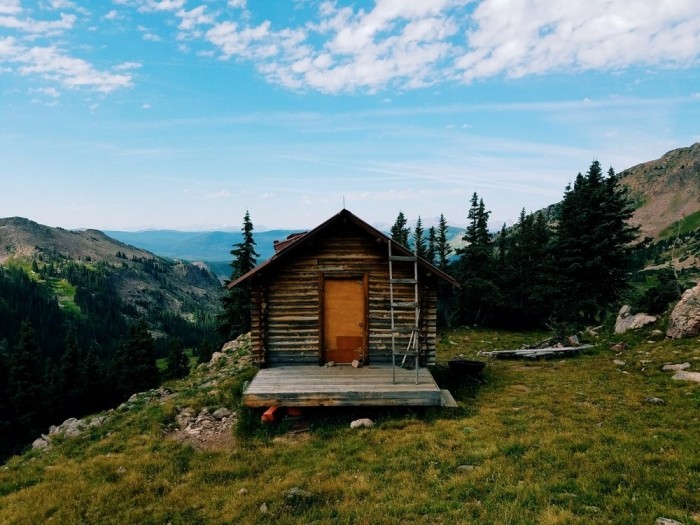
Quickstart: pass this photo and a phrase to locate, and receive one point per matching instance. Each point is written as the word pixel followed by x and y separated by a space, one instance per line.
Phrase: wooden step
pixel 404 305
pixel 403 281
pixel 403 258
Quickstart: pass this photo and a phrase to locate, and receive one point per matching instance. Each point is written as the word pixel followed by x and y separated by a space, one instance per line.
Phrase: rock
pixel 243 492
pixel 618 347
pixel 360 423
pixel 296 494
pixel 667 521
pixel 657 333
pixel 356 364
pixel 619 362
pixel 685 317
pixel 687 376
pixel 654 401
pixel 263 508
pixel 593 331
pixel 676 368
pixel 330 363
pixel 628 321
pixel 573 340
pixel 466 467
pixel 221 413
pixel 74 429
pixel 40 444
pixel 97 422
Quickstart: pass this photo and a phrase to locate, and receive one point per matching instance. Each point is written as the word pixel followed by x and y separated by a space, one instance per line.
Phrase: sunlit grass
pixel 561 441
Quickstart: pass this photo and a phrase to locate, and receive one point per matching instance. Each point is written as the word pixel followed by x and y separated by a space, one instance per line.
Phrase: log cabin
pixel 338 295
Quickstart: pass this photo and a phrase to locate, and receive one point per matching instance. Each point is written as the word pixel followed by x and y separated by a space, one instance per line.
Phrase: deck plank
pixel 341 386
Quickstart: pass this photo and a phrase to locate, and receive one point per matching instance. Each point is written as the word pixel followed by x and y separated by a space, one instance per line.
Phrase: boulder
pixel 360 423
pixel 626 320
pixel 676 367
pixel 687 376
pixel 221 413
pixel 685 317
pixel 40 444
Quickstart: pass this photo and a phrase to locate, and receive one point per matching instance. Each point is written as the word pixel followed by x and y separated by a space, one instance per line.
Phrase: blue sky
pixel 134 114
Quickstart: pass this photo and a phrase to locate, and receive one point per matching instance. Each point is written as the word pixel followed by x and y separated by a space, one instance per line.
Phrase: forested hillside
pixel 83 319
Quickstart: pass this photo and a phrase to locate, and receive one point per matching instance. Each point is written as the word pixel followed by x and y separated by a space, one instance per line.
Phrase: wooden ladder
pixel 412 348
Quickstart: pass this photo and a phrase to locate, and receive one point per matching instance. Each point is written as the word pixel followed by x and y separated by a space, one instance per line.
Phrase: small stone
pixel 667 521
pixel 221 413
pixel 592 509
pixel 687 376
pixel 330 363
pixel 466 467
pixel 121 470
pixel 243 492
pixel 297 494
pixel 676 368
pixel 573 340
pixel 654 401
pixel 263 508
pixel 360 423
pixel 40 444
pixel 619 362
pixel 356 364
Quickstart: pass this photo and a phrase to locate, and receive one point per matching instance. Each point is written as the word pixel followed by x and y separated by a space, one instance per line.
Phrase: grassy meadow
pixel 561 441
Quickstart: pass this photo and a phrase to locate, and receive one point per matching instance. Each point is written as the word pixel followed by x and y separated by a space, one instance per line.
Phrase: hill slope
pixel 665 190
pixel 573 441
pixel 144 281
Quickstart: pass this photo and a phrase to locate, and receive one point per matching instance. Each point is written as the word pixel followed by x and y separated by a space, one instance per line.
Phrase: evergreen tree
pixel 399 231
pixel 135 367
pixel 69 381
pixel 443 250
pixel 178 362
pixel 25 386
pixel 431 252
pixel 525 272
pixel 235 318
pixel 419 246
pixel 593 246
pixel 475 268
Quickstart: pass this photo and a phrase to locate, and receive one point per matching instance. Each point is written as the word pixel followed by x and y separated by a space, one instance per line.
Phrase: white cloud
pixel 237 4
pixel 112 15
pixel 10 7
pixel 163 5
pixel 193 18
pixel 53 65
pixel 127 66
pixel 523 37
pixel 29 25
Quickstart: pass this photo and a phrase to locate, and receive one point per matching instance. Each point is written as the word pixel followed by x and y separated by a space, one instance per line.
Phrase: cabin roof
pixel 286 249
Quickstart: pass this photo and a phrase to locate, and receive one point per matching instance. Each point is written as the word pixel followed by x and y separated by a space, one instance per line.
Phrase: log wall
pixel 286 301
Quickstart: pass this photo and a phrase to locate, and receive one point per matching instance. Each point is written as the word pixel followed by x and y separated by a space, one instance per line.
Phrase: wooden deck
pixel 304 386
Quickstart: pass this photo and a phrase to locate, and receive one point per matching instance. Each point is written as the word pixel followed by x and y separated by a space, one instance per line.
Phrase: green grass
pixel 685 225
pixel 543 442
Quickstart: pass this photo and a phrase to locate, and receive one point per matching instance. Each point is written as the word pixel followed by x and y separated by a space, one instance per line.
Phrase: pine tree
pixel 178 362
pixel 235 318
pixel 442 246
pixel 25 385
pixel 593 246
pixel 419 246
pixel 399 231
pixel 134 363
pixel 431 251
pixel 475 268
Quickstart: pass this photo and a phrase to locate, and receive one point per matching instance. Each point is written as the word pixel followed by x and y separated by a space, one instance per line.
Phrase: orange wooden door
pixel 344 320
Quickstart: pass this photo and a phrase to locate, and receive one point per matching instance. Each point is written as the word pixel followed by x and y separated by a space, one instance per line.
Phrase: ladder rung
pixel 407 352
pixel 403 258
pixel 404 281
pixel 399 305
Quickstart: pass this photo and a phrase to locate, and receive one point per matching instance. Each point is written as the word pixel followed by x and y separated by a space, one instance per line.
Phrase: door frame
pixel 329 275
